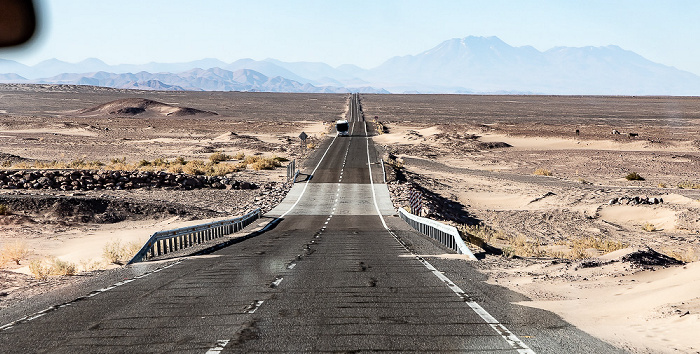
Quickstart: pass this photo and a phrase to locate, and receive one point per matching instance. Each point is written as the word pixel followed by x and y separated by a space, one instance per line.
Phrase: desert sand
pixel 609 268
pixel 485 163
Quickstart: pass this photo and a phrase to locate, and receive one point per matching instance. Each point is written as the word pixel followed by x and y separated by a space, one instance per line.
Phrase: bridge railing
pixel 445 234
pixel 163 242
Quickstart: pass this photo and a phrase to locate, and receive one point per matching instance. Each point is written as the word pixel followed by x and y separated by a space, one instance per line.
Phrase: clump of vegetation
pixel 214 167
pixel 634 176
pixel 649 227
pixel 5 210
pixel 686 255
pixel 310 146
pixel 689 185
pixel 219 157
pixel 15 252
pixel 42 268
pixel 117 253
pixel 543 172
pixel 479 235
pixel 662 185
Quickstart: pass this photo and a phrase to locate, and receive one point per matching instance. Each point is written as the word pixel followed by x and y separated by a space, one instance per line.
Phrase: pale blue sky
pixel 359 32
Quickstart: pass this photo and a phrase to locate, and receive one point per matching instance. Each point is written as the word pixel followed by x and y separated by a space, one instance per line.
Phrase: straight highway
pixel 338 272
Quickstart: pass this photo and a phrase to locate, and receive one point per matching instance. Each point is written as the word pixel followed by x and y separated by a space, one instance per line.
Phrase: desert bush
pixel 15 251
pixel 268 163
pixel 219 157
pixel 61 267
pixel 686 255
pixel 662 185
pixel 482 232
pixel 194 167
pixel 239 156
pixel 116 161
pixel 600 244
pixel 88 265
pixel 5 209
pixel 39 269
pixel 689 185
pixel 583 181
pixel 634 176
pixel 112 252
pixel 175 169
pixel 223 169
pixel 117 253
pixel 160 162
pixel 179 161
pixel 143 163
pixel 42 268
pixel 310 146
pixel 649 227
pixel 543 172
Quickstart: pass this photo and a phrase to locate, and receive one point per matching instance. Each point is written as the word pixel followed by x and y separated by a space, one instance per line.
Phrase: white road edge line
pixel 91 294
pixel 509 337
pixel 307 181
pixel 219 347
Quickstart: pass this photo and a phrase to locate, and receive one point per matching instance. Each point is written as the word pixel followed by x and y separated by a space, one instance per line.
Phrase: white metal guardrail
pixel 163 242
pixel 445 234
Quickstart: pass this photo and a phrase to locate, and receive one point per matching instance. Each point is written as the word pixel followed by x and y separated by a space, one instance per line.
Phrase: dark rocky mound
pixel 98 210
pixel 10 159
pixel 648 258
pixel 142 106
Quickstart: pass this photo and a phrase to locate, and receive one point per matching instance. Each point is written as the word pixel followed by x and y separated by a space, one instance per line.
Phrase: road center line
pixel 509 337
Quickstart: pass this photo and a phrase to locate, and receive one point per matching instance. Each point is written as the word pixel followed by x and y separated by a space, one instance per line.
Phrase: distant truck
pixel 342 127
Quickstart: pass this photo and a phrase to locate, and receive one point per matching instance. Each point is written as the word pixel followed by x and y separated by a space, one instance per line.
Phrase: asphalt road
pixel 329 277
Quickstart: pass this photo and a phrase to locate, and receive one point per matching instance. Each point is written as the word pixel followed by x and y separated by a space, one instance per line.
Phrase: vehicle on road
pixel 342 126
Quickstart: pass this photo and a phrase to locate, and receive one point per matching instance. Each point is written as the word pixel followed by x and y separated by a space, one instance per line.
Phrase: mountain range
pixel 459 65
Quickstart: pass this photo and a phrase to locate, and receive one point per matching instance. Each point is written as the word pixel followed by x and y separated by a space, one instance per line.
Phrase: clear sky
pixel 360 32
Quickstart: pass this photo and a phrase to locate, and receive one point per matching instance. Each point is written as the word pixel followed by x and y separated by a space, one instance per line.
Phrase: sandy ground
pixel 65 123
pixel 485 169
pixel 475 153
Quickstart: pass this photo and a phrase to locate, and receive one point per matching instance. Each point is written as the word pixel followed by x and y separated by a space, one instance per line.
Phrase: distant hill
pixel 469 65
pixel 142 107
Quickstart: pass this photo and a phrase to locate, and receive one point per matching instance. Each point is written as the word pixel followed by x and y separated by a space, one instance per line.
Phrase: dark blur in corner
pixel 17 22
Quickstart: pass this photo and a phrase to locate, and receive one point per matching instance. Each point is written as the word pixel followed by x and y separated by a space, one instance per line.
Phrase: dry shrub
pixel 685 255
pixel 543 172
pixel 478 234
pixel 219 157
pixel 175 169
pixel 648 227
pixel 223 169
pixel 194 168
pixel 310 146
pixel 15 251
pixel 112 252
pixel 42 268
pixel 117 253
pixel 88 265
pixel 525 248
pixel 239 156
pixel 266 164
pixel 601 244
pixel 5 210
pixel 39 269
pixel 634 176
pixel 662 185
pixel 689 185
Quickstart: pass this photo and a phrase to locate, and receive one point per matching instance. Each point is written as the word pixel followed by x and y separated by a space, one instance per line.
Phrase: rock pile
pixel 635 200
pixel 83 180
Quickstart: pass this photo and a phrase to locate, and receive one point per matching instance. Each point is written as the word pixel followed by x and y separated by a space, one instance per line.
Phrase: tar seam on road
pixel 41 313
pixel 511 338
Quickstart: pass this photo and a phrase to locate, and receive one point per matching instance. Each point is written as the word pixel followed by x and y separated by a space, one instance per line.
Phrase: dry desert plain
pixel 610 268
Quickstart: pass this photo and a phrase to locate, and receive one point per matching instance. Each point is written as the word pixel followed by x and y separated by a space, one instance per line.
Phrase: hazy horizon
pixel 361 33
